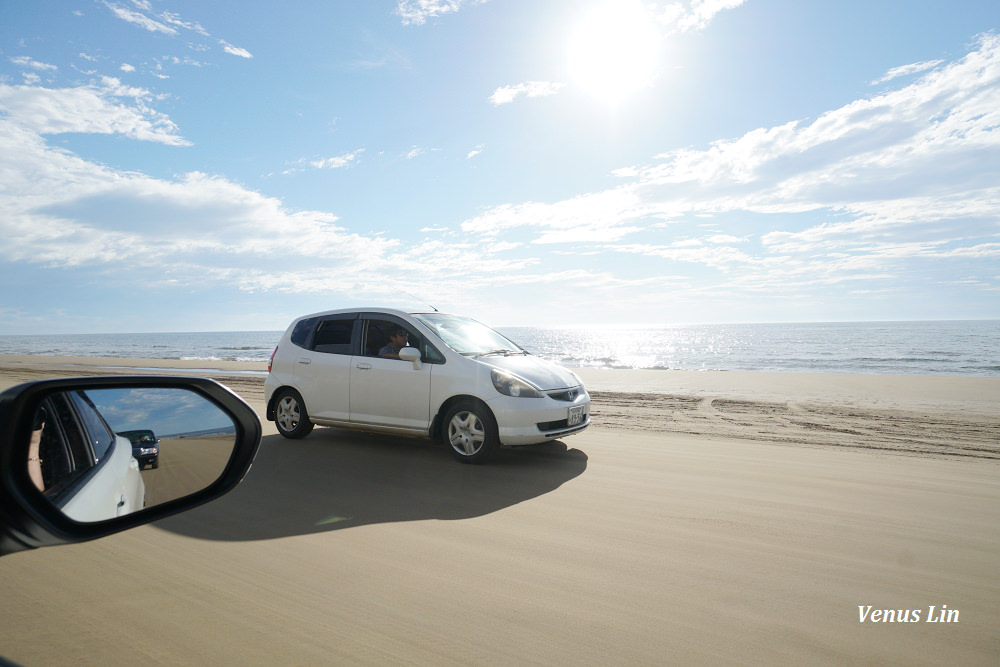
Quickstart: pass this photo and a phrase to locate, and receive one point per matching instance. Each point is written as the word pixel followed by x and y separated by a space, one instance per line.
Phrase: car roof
pixel 368 309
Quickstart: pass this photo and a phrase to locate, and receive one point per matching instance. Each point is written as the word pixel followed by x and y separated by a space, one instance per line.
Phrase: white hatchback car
pixel 419 374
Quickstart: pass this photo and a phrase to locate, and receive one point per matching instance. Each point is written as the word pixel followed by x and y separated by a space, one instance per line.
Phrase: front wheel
pixel 290 415
pixel 471 433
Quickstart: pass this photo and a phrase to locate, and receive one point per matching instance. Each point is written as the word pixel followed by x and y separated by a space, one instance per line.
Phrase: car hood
pixel 543 374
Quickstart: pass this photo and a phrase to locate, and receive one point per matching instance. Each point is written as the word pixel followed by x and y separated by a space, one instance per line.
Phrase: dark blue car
pixel 145 447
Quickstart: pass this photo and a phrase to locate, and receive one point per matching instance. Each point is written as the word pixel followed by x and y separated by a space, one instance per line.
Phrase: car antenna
pixel 420 300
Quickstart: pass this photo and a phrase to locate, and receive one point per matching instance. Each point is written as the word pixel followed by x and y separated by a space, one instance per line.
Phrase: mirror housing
pixel 411 354
pixel 29 520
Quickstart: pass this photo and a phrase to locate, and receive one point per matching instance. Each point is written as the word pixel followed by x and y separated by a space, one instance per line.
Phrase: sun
pixel 614 50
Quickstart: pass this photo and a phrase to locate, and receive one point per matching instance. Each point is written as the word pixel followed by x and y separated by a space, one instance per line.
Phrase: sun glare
pixel 613 50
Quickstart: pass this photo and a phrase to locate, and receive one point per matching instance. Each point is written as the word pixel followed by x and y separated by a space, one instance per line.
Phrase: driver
pixel 397 341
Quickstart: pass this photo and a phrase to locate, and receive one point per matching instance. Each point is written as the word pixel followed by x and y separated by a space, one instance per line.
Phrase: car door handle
pixel 305 360
pixel 364 366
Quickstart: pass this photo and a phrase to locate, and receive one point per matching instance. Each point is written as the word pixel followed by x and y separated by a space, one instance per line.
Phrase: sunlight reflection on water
pixel 925 348
pixel 952 348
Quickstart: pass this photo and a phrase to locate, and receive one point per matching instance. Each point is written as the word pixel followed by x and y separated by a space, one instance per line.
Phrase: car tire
pixel 470 432
pixel 290 415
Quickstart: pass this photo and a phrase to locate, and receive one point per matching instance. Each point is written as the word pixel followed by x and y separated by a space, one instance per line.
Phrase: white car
pixel 446 376
pixel 83 467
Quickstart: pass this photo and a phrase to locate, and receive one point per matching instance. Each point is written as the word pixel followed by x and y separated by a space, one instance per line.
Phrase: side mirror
pixel 411 354
pixel 82 458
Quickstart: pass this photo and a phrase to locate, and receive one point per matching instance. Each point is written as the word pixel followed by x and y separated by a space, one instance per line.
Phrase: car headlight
pixel 508 385
pixel 147 450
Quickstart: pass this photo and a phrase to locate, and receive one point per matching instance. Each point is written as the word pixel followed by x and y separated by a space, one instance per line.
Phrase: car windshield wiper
pixel 504 352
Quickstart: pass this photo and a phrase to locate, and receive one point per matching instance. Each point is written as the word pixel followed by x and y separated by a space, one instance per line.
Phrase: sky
pixel 170 165
pixel 166 412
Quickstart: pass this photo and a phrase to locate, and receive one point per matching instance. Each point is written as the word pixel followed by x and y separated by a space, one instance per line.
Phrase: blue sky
pixel 166 412
pixel 210 166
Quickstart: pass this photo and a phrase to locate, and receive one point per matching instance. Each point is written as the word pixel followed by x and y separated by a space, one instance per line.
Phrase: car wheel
pixel 471 433
pixel 290 415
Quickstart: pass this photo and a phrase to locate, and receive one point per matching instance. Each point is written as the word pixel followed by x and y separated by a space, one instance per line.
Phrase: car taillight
pixel 271 360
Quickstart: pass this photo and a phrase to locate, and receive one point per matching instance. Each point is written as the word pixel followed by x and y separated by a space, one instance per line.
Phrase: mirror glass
pixel 102 453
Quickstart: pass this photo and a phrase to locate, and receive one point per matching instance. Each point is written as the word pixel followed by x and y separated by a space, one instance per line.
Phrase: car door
pixel 389 392
pixel 323 368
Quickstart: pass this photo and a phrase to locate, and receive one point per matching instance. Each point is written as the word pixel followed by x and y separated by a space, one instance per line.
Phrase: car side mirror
pixel 82 458
pixel 411 354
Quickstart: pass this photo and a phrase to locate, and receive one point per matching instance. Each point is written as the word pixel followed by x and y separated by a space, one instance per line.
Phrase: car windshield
pixel 467 336
pixel 139 437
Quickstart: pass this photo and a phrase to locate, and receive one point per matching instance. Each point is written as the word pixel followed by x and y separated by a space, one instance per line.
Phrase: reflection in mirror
pixel 102 453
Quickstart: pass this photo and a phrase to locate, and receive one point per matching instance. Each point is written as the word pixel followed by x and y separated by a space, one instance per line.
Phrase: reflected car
pixel 84 468
pixel 421 374
pixel 145 447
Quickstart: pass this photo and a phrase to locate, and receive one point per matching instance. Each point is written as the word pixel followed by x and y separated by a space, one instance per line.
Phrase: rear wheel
pixel 290 415
pixel 471 432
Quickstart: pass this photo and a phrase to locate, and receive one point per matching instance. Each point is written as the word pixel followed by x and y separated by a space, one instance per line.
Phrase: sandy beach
pixel 726 518
pixel 923 415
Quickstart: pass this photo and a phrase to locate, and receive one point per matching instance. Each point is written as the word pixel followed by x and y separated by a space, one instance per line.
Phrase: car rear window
pixel 300 334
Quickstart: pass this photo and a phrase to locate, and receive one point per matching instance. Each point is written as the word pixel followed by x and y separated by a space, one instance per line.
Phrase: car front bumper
pixel 147 460
pixel 529 421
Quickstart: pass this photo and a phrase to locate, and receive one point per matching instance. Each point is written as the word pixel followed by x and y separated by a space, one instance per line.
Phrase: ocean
pixel 895 348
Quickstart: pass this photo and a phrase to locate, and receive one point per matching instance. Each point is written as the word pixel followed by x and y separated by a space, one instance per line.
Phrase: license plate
pixel 575 416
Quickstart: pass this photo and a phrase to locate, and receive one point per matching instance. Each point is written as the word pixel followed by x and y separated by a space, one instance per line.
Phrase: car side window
pixel 430 354
pixel 333 336
pixel 378 335
pixel 64 451
pixel 54 450
pixel 101 437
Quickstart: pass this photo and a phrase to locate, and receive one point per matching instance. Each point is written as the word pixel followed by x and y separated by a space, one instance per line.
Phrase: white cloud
pixel 693 251
pixel 339 161
pixel 235 50
pixel 907 70
pixel 25 61
pixel 102 107
pixel 143 14
pixel 138 18
pixel 691 15
pixel 725 238
pixel 597 217
pixel 417 12
pixel 474 152
pixel 507 94
pixel 934 142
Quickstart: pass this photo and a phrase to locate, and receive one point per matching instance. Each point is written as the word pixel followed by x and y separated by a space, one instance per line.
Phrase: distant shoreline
pixel 935 416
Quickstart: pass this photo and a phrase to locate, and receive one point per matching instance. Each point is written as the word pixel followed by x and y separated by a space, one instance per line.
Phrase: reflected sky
pixel 165 411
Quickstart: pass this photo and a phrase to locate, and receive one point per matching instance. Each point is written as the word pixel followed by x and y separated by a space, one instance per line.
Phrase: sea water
pixel 918 348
